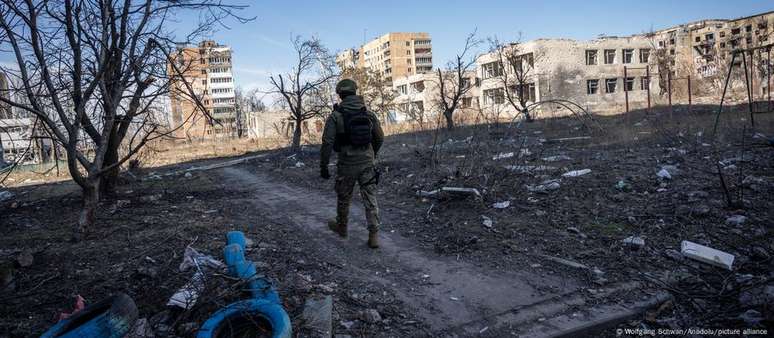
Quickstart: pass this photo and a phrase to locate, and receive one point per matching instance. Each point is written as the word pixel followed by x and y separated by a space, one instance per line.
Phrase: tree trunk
pixel 448 114
pixel 88 213
pixel 109 181
pixel 296 145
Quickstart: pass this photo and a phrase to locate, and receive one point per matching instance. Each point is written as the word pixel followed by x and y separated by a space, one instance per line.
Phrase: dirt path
pixel 444 292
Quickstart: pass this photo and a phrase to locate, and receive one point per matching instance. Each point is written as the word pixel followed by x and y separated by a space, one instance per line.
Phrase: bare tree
pixel 454 83
pixel 94 73
pixel 516 74
pixel 375 89
pixel 244 102
pixel 306 89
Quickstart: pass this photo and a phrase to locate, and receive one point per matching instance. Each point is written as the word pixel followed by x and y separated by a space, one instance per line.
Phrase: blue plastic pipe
pixel 265 301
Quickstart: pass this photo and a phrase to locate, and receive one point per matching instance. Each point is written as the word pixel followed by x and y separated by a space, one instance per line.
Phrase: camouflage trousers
pixel 346 178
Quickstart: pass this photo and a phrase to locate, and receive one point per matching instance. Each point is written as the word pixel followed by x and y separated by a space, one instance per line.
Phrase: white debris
pixel 471 191
pixel 192 258
pixel 529 168
pixel 545 186
pixel 300 164
pixel 487 221
pixel 576 173
pixel 501 156
pixel 452 190
pixel 557 158
pixel 736 219
pixel 707 255
pixel 663 173
pixel 636 241
pixel 187 296
pixel 501 205
pixel 524 152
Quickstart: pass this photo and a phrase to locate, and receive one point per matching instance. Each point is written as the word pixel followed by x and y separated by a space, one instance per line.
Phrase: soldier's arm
pixel 328 138
pixel 377 139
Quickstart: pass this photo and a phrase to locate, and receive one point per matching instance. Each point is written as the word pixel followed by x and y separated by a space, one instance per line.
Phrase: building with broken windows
pixel 598 75
pixel 206 68
pixel 393 55
pixel 417 97
pixel 703 52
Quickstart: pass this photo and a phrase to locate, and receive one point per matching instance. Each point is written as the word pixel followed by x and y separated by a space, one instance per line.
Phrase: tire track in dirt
pixel 444 292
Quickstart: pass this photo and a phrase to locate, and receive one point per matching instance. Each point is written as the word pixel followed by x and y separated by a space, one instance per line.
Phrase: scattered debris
pixel 150 198
pixel 573 230
pixel 371 316
pixel 751 317
pixel 707 255
pixel 187 296
pixel 623 186
pixel 736 220
pixel 318 314
pixel 557 158
pixel 544 187
pixel 347 324
pixel 501 205
pixel 565 262
pixel 300 164
pixel 5 195
pixel 487 221
pixel 570 139
pixel 188 174
pixel 664 174
pixel 501 156
pixel 634 241
pixel 192 258
pixel 525 169
pixel 576 173
pixel 451 190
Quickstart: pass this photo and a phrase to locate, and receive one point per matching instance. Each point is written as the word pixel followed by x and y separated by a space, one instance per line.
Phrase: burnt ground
pixel 441 270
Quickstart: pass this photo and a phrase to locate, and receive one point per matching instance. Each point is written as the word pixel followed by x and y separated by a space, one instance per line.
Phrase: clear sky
pixel 263 46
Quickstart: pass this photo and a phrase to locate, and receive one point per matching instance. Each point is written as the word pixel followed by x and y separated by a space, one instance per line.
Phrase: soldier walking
pixel 356 135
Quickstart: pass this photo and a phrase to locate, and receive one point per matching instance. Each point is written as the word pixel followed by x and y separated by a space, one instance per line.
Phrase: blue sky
pixel 263 46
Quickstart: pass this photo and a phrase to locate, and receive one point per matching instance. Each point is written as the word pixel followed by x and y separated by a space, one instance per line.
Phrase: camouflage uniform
pixel 355 164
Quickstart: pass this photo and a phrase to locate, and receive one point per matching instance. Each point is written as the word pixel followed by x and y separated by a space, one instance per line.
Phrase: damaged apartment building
pixel 608 75
pixel 680 65
pixel 703 50
pixel 207 68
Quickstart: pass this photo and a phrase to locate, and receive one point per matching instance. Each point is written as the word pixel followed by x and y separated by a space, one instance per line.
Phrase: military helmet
pixel 346 86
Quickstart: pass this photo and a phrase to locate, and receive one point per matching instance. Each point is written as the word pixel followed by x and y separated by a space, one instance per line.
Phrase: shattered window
pixel 610 85
pixel 609 56
pixel 629 84
pixel 592 86
pixel 627 55
pixel 644 55
pixel 591 57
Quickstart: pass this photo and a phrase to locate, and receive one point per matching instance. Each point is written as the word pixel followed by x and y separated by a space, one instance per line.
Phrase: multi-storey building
pixel 417 97
pixel 589 73
pixel 394 55
pixel 207 69
pixel 703 50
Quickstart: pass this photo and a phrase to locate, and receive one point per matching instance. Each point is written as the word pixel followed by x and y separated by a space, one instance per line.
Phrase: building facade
pixel 418 97
pixel 207 68
pixel 393 55
pixel 589 73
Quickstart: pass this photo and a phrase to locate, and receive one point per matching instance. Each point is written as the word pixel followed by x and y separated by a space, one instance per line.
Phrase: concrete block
pixel 707 255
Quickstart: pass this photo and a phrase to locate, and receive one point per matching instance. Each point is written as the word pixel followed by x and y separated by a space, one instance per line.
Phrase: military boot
pixel 340 229
pixel 373 239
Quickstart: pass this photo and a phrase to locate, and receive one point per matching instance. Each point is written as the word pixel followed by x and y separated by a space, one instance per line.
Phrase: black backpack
pixel 358 128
